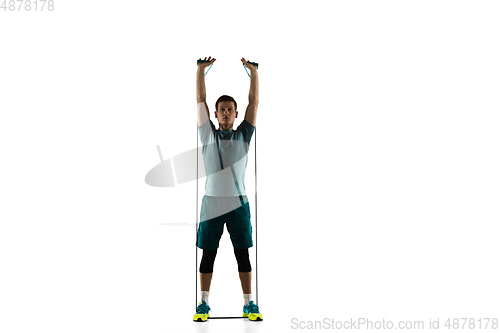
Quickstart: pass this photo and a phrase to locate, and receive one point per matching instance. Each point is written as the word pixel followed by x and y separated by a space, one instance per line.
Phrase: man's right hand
pixel 204 65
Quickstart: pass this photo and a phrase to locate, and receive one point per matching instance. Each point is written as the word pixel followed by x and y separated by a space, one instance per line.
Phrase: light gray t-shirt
pixel 225 155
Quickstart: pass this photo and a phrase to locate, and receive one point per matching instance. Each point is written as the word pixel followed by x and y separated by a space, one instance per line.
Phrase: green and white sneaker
pixel 202 312
pixel 251 311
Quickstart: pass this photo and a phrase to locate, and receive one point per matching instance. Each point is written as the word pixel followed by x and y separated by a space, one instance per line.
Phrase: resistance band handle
pixel 253 63
pixel 200 61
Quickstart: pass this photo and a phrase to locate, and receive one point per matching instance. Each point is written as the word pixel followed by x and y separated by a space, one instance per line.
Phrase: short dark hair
pixel 225 98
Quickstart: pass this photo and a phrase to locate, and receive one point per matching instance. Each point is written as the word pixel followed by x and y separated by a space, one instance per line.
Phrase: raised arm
pixel 253 96
pixel 201 93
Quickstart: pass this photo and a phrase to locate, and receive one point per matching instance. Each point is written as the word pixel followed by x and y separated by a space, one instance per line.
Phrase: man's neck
pixel 225 127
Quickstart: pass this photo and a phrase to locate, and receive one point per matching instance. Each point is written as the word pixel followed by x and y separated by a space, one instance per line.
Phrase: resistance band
pixel 256 232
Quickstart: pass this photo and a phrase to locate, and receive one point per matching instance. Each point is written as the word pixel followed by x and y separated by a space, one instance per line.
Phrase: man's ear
pixel 215 114
pixel 236 114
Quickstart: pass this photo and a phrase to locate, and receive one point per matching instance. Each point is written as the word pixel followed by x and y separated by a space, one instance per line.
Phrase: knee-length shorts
pixel 217 211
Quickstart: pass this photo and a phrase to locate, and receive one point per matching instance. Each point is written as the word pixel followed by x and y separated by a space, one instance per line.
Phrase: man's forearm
pixel 201 93
pixel 253 96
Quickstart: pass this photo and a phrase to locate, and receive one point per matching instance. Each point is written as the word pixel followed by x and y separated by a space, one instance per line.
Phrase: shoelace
pixel 253 308
pixel 202 308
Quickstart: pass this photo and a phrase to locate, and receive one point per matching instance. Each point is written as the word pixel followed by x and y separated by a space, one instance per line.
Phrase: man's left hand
pixel 247 65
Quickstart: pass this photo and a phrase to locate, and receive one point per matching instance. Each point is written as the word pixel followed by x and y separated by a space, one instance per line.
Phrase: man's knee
pixel 207 261
pixel 242 257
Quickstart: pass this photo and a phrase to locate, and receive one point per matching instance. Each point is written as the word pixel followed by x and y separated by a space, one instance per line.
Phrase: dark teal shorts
pixel 234 212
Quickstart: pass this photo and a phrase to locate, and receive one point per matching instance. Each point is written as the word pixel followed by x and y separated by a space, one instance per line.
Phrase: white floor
pixel 141 278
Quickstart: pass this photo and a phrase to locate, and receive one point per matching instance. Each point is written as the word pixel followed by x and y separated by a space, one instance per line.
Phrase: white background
pixel 377 156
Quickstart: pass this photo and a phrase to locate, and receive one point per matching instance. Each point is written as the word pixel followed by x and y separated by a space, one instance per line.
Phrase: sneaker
pixel 202 312
pixel 251 311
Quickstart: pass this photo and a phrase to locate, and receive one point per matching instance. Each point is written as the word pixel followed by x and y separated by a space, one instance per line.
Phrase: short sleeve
pixel 245 129
pixel 206 132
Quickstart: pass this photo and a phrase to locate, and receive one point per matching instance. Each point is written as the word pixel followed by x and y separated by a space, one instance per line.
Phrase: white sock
pixel 248 298
pixel 204 296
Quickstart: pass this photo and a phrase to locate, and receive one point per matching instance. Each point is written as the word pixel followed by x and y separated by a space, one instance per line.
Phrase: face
pixel 226 113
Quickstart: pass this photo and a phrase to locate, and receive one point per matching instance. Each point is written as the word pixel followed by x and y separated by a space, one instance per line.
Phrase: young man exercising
pixel 225 202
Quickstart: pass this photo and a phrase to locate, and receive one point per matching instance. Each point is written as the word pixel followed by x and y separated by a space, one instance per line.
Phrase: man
pixel 225 158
